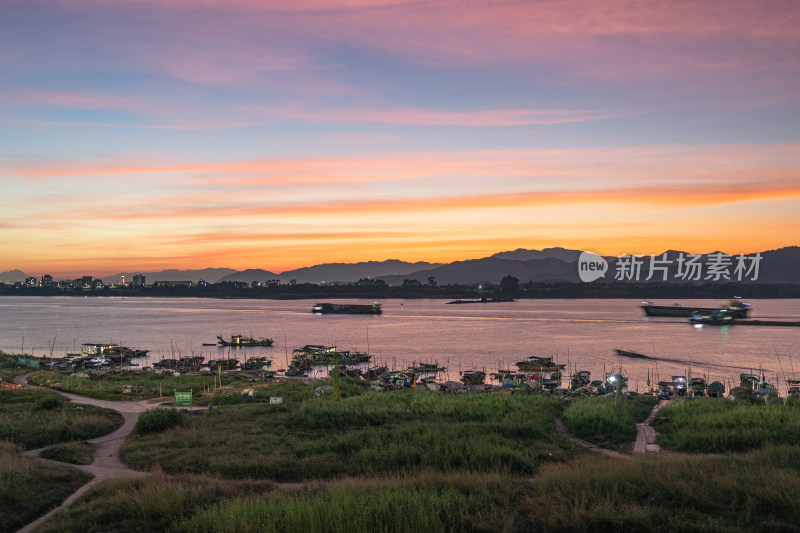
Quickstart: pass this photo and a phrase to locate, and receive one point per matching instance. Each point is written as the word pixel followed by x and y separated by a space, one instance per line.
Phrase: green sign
pixel 183 399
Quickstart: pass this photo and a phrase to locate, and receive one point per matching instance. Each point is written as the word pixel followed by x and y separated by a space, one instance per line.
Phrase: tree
pixel 509 285
pixel 431 281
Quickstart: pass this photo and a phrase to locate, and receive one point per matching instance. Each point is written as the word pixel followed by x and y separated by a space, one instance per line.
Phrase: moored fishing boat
pixel 540 364
pixel 473 377
pixel 242 341
pixel 257 363
pixel 223 364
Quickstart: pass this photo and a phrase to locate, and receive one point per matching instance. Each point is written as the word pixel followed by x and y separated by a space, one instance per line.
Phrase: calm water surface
pixel 582 333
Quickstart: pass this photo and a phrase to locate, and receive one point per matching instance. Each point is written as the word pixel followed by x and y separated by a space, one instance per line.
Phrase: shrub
pixel 49 403
pixel 158 420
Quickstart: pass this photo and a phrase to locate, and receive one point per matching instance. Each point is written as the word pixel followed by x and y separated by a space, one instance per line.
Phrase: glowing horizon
pixel 153 134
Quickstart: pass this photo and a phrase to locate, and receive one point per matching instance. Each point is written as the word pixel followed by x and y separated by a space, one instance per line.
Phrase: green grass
pixel 30 488
pixel 9 367
pixel 608 421
pixel 709 425
pixel 754 492
pixel 77 453
pixel 35 418
pixel 720 494
pixel 130 386
pixel 369 434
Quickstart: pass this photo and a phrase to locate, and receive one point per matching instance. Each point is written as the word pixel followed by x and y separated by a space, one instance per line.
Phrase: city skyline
pixel 160 134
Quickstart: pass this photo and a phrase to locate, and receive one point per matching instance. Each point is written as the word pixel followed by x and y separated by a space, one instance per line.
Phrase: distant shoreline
pixel 308 291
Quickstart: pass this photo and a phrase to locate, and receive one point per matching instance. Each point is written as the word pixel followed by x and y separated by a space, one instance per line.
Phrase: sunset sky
pixel 153 134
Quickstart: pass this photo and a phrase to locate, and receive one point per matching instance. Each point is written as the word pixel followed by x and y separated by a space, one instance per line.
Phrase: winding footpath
pixel 106 464
pixel 645 437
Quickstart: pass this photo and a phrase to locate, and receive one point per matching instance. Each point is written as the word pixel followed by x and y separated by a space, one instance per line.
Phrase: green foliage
pixel 712 425
pixel 160 419
pixel 370 434
pixel 608 421
pixel 115 387
pixel 30 488
pixel 77 453
pixel 711 493
pixel 24 420
pixel 49 403
pixel 342 509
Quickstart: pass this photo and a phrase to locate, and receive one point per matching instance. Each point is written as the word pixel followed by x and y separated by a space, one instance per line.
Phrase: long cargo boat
pixel 348 309
pixel 735 309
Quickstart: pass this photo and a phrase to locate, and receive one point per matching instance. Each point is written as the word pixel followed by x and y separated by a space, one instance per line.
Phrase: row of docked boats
pixel 198 364
pixel 95 356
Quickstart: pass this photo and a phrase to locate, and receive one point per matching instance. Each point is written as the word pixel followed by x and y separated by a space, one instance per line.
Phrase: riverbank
pixel 418 460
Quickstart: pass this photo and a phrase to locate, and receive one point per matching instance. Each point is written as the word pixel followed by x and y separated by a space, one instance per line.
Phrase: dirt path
pixel 645 437
pixel 106 462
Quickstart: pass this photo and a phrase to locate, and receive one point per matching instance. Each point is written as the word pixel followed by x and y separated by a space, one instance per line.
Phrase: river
pixel 581 333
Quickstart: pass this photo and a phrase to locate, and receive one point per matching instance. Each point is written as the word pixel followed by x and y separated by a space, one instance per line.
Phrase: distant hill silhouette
pixel 347 272
pixel 13 276
pixel 521 254
pixel 559 265
pixel 550 265
pixel 250 275
pixel 211 275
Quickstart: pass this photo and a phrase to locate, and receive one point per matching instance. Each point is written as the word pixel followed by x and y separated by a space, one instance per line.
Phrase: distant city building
pixel 85 281
pixel 173 283
pixel 47 280
pixel 31 282
pixel 138 280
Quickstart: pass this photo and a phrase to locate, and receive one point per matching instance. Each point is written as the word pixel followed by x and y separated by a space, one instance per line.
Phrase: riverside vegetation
pixel 423 461
pixel 32 419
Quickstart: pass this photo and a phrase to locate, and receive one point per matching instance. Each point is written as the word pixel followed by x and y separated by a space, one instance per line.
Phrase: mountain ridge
pixel 548 265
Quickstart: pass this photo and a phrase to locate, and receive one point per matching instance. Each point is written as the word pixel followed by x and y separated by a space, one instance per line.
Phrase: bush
pixel 49 403
pixel 158 420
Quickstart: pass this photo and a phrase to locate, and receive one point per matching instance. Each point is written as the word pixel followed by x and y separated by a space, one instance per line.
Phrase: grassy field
pixel 29 488
pixel 746 492
pixel 424 461
pixel 35 418
pixel 367 434
pixel 130 386
pixel 76 452
pixel 709 425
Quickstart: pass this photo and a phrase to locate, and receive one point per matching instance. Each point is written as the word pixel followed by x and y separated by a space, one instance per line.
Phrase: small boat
pixel 717 318
pixel 482 301
pixel 241 340
pixel 347 309
pixel 223 364
pixel 715 389
pixel 616 381
pixel 473 377
pixel 697 386
pixel 580 379
pixel 541 364
pixel 626 353
pixel 793 386
pixel 257 363
pixel 374 373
